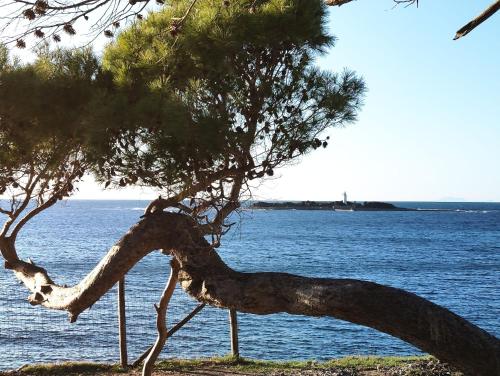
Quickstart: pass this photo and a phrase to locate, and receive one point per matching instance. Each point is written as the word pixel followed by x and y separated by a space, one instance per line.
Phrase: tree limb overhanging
pixel 463 31
pixel 197 114
pixel 466 29
pixel 204 276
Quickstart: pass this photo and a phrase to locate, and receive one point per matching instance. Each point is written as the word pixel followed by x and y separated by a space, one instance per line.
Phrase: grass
pixel 67 368
pixel 376 361
pixel 228 364
pixel 250 365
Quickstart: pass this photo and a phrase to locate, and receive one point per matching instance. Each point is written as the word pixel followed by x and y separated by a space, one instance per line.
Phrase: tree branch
pixel 215 226
pixel 162 203
pixel 161 325
pixel 32 213
pixel 337 3
pixel 16 212
pixel 207 278
pixel 171 332
pixel 490 11
pixel 5 211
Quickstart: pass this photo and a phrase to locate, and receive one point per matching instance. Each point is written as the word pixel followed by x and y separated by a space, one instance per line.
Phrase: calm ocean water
pixel 450 257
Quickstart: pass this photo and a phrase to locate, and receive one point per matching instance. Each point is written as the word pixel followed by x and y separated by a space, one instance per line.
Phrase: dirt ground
pixel 410 370
pixel 424 367
pixel 221 371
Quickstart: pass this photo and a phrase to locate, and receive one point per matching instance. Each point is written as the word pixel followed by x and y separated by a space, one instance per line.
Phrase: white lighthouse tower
pixel 345 198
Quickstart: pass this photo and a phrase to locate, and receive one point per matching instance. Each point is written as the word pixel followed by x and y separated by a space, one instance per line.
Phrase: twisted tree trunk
pixel 207 278
pixel 161 325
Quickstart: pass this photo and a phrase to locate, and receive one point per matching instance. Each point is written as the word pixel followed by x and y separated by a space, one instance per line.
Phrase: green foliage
pixel 246 77
pixel 50 96
pixel 4 57
pixel 188 102
pixel 43 121
pixel 209 39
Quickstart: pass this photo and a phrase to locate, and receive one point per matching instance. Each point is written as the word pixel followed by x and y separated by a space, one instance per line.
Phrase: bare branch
pixel 161 326
pixel 463 31
pixel 17 209
pixel 163 203
pixel 47 204
pixel 6 212
pixel 232 203
pixel 338 3
pixel 490 11
pixel 46 20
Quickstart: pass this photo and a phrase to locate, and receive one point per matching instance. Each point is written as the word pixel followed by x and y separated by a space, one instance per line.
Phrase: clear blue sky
pixel 430 127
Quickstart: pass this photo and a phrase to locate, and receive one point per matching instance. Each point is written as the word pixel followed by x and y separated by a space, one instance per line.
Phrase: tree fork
pixel 207 278
pixel 171 332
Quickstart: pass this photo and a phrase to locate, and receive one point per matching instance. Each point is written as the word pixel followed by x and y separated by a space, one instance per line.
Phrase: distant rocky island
pixel 328 205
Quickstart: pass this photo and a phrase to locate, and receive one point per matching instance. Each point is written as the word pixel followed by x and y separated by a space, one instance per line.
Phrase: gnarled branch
pixel 207 278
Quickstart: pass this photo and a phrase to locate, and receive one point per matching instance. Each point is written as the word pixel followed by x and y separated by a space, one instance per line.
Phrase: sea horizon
pixel 449 257
pixel 292 200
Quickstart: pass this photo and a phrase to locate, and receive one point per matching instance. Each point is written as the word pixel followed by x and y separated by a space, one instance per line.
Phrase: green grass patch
pixel 67 368
pixel 375 361
pixel 231 364
pixel 258 366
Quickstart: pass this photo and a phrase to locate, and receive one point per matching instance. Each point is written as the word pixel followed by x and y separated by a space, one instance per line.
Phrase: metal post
pixel 122 327
pixel 233 322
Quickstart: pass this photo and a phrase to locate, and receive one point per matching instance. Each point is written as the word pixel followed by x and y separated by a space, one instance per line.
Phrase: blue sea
pixel 451 257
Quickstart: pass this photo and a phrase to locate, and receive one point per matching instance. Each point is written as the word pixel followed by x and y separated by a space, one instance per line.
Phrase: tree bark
pixel 471 25
pixel 207 278
pixel 161 325
pixel 138 242
pixel 171 332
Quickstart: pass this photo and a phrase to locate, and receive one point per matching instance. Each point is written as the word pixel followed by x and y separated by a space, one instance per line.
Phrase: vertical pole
pixel 122 327
pixel 233 322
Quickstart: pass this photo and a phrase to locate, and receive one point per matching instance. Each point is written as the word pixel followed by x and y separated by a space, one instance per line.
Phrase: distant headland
pixel 343 205
pixel 328 205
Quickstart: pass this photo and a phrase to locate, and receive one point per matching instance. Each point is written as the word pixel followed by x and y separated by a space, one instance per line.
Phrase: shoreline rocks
pixel 327 205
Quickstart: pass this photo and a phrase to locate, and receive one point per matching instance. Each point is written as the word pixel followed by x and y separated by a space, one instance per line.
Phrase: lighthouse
pixel 345 198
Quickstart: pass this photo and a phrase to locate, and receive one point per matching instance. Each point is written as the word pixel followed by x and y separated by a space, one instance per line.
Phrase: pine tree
pixel 197 104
